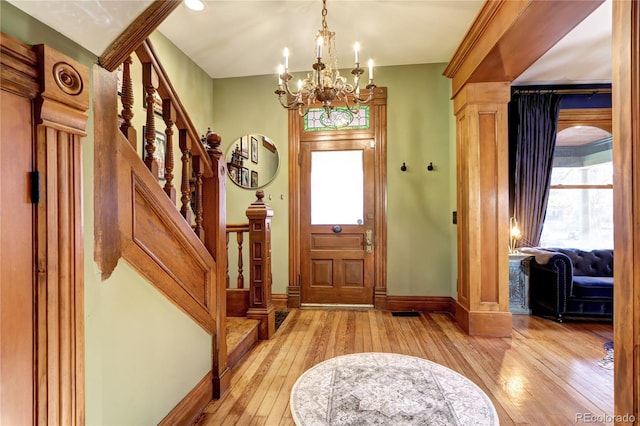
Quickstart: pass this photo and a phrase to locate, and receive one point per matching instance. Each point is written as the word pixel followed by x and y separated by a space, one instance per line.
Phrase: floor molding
pixel 190 407
pixel 280 301
pixel 421 303
pixel 396 303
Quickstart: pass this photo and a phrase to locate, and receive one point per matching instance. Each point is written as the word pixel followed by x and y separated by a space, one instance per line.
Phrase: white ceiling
pixel 246 37
pixel 583 56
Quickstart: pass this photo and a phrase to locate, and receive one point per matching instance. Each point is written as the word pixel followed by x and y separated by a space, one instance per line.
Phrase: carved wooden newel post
pixel 260 305
pixel 215 224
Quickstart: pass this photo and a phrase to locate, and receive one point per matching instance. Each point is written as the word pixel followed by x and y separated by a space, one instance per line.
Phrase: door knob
pixel 337 229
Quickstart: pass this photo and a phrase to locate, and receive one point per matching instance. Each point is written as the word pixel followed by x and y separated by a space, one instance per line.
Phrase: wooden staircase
pixel 242 335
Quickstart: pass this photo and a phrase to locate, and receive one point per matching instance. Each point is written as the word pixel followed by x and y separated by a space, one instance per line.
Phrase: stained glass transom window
pixel 341 118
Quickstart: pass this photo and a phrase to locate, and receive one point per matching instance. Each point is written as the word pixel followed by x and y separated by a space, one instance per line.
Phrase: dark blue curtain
pixel 536 121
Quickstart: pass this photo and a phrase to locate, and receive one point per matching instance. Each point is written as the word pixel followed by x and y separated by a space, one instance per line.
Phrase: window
pixel 337 187
pixel 580 207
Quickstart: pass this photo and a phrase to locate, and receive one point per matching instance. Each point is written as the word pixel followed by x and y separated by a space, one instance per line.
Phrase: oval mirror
pixel 252 161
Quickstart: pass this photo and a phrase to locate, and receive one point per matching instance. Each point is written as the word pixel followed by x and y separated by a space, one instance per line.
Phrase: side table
pixel 519 283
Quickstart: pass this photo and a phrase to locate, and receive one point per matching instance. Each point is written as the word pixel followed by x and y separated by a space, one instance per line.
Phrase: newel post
pixel 215 225
pixel 260 304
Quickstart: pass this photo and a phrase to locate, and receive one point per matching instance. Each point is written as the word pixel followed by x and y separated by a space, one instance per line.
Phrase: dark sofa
pixel 572 283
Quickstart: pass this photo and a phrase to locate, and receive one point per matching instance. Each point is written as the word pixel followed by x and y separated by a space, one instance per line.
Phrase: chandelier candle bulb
pixel 280 71
pixel 370 69
pixel 319 54
pixel 286 58
pixel 356 47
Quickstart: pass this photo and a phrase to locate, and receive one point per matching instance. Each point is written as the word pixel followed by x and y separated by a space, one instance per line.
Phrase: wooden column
pixel 60 117
pixel 260 304
pixel 215 228
pixel 493 50
pixel 626 198
pixel 482 164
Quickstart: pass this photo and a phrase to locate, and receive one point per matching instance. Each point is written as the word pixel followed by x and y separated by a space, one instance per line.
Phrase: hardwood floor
pixel 545 374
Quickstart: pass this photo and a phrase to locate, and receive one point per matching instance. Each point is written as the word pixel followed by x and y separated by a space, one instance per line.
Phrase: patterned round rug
pixel 607 361
pixel 387 389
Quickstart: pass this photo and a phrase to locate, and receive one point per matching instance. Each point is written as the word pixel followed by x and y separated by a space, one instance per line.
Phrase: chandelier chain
pixel 324 15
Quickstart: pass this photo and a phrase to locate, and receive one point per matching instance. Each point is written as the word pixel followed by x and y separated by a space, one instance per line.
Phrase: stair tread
pixel 238 329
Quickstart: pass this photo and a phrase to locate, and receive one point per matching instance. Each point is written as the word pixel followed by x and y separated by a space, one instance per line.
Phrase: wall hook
pixel 430 167
pixel 403 167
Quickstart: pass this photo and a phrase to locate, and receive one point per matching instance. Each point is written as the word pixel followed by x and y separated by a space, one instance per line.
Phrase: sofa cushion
pixel 593 263
pixel 592 286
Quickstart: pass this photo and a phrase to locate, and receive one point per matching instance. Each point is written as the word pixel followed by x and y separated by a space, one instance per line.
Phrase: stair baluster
pixel 169 116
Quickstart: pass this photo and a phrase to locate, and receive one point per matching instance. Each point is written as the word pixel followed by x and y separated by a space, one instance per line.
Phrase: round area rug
pixel 387 389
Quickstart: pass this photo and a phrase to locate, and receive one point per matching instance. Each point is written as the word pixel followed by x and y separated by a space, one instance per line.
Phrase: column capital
pixel 482 93
pixel 259 209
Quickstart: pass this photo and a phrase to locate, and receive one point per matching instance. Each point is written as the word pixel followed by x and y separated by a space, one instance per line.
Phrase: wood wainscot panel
pixel 150 230
pixel 161 246
pixel 137 221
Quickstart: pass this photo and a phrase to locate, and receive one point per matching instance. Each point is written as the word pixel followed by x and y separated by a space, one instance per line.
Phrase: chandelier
pixel 324 84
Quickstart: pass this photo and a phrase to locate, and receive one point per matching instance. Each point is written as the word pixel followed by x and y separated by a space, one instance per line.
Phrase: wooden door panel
pixel 16 263
pixel 321 273
pixel 353 273
pixel 332 242
pixel 336 268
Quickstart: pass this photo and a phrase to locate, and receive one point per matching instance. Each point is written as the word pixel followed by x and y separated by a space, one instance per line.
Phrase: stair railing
pixel 160 100
pixel 255 301
pixel 178 245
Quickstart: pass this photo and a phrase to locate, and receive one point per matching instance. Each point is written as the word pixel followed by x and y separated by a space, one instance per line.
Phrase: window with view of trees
pixel 580 208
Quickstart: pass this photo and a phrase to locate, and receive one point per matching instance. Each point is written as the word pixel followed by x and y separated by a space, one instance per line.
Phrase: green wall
pixel 142 354
pixel 242 106
pixel 421 238
pixel 192 84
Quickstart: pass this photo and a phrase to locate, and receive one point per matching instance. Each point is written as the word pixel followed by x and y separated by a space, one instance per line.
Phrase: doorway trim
pixel 58 88
pixel 378 133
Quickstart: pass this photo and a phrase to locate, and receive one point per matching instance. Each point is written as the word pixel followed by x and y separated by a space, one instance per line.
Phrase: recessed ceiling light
pixel 196 5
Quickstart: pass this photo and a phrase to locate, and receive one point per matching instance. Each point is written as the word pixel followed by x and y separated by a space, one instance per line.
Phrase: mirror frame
pixel 246 152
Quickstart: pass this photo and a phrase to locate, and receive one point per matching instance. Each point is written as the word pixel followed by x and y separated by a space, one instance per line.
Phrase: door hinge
pixel 35 186
pixel 372 144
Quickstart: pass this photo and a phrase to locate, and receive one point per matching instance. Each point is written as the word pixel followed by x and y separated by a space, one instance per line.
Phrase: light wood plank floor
pixel 544 374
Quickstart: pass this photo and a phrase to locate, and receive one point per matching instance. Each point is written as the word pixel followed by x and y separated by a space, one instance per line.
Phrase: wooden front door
pixel 16 263
pixel 337 221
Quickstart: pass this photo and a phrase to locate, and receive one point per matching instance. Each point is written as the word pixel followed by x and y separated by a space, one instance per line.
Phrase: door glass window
pixel 337 187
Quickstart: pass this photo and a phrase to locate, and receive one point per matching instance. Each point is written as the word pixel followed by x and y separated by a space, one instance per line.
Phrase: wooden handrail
pixel 147 55
pixel 137 218
pixel 196 153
